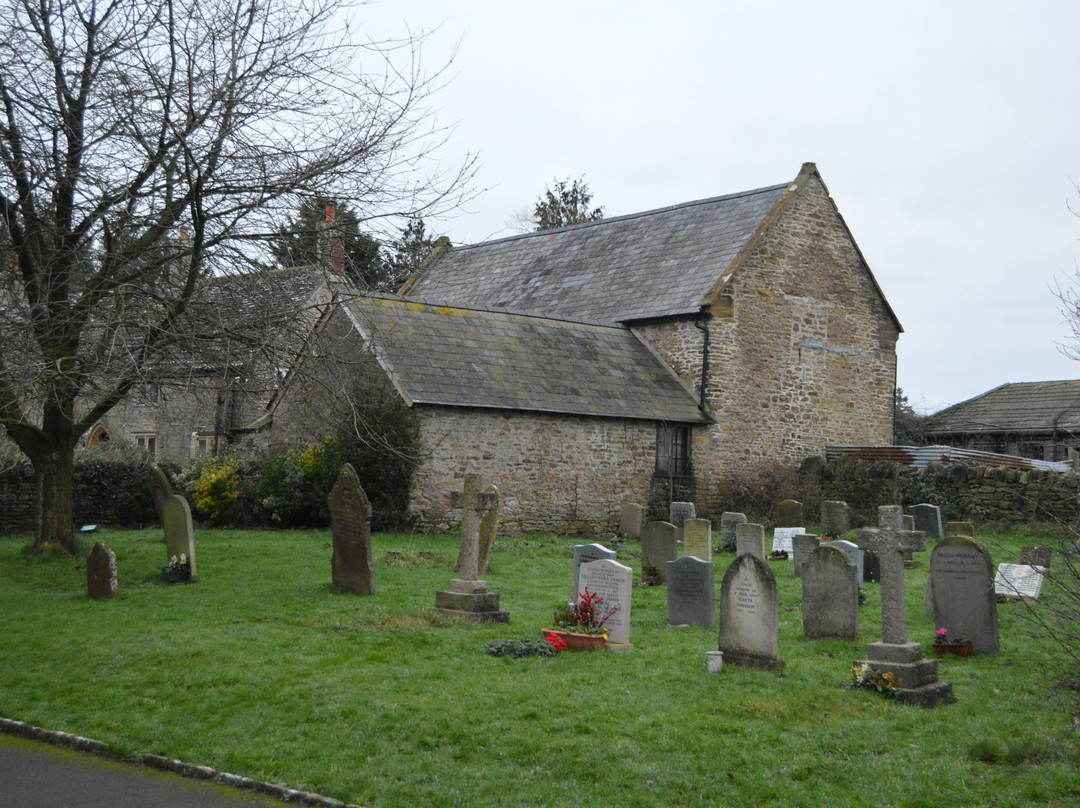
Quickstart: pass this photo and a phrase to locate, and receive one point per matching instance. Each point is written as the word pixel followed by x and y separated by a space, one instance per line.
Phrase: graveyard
pixel 266 669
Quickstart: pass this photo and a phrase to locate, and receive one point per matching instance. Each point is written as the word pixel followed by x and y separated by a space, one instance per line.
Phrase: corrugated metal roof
pixel 922 456
pixel 1014 408
pixel 455 356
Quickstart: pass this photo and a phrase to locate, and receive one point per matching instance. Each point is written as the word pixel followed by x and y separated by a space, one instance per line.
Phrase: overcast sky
pixel 948 133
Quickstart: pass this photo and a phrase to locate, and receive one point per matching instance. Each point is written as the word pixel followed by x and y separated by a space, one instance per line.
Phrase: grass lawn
pixel 262 669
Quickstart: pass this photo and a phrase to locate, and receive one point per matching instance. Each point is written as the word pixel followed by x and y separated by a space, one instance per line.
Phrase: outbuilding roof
pixel 470 357
pixel 1014 408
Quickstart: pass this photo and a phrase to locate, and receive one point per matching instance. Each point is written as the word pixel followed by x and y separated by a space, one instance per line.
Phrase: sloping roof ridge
pixel 489 310
pixel 623 217
pixel 976 398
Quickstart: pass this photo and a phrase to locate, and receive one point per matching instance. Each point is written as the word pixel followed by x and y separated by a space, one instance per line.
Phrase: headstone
pixel 691 592
pixel 894 654
pixel 871 568
pixel 659 545
pixel 854 554
pixel 614 583
pixel 928 519
pixel 749 614
pixel 489 527
pixel 350 526
pixel 729 522
pixel 835 518
pixel 960 529
pixel 750 538
pixel 585 553
pixel 1037 556
pixel 1019 581
pixel 631 520
pixel 961 589
pixel 179 534
pixel 789 513
pixel 160 490
pixel 697 538
pixel 783 538
pixel 467 596
pixel 101 573
pixel 678 513
pixel 801 548
pixel 830 595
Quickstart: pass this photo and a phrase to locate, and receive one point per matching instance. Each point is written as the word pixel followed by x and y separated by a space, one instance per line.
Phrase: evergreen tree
pixel 566 204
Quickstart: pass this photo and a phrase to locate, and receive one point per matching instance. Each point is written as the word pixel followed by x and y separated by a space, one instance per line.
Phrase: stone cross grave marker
pixel 350 525
pixel 961 590
pixel 473 503
pixel 1019 580
pixel 750 538
pixel 584 554
pixel 729 523
pixel 928 519
pixel 160 490
pixel 697 538
pixel 678 513
pixel 789 513
pixel 659 545
pixel 489 527
pixel 179 533
pixel 801 548
pixel 783 538
pixel 889 542
pixel 830 595
pixel 691 592
pixel 631 519
pixel 101 573
pixel 749 614
pixel 614 583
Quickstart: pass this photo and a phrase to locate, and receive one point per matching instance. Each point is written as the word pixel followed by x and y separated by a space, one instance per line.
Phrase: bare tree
pixel 147 148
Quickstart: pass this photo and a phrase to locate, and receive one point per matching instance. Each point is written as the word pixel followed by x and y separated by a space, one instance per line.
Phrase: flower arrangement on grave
pixel 864 596
pixel 1004 597
pixel 941 637
pixel 585 616
pixel 868 677
pixel 778 555
pixel 519 649
pixel 177 570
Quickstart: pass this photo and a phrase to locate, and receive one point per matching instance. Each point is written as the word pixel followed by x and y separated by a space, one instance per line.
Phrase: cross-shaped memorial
pixel 916 677
pixel 467 595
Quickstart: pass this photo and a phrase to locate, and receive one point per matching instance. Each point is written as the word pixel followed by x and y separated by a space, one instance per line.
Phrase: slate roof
pixel 653 264
pixel 1015 408
pixel 437 354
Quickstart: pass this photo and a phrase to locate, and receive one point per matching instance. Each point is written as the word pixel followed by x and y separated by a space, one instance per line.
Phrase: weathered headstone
pixel 179 533
pixel 101 573
pixel 783 539
pixel 631 520
pixel 871 568
pixel 928 519
pixel 830 595
pixel 919 684
pixel 351 566
pixel 960 529
pixel 614 583
pixel 489 527
pixel 1037 556
pixel 729 523
pixel 962 591
pixel 854 554
pixel 659 545
pixel 750 538
pixel 467 596
pixel 160 490
pixel 1019 581
pixel 835 518
pixel 750 614
pixel 789 513
pixel 585 553
pixel 691 592
pixel 697 538
pixel 801 548
pixel 678 513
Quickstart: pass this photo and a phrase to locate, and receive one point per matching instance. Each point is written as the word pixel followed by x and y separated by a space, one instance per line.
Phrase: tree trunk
pixel 55 522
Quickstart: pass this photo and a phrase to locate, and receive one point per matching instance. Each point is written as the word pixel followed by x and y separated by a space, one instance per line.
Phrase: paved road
pixel 36 775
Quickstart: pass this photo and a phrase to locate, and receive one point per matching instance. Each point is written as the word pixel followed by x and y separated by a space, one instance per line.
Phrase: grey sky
pixel 946 132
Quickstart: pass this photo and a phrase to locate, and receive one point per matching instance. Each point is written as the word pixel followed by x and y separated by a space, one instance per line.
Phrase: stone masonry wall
pixel 557 473
pixel 802 352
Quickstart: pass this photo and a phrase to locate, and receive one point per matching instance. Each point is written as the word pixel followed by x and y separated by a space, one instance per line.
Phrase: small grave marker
pixel 697 538
pixel 830 601
pixel 749 614
pixel 351 566
pixel 783 539
pixel 659 545
pixel 614 583
pixel 729 523
pixel 101 573
pixel 750 538
pixel 691 592
pixel 1019 581
pixel 961 591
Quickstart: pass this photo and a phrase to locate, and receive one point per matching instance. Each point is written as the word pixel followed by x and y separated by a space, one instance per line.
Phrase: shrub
pixel 216 489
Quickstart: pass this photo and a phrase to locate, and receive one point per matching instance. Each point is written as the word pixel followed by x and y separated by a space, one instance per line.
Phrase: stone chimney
pixel 331 246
